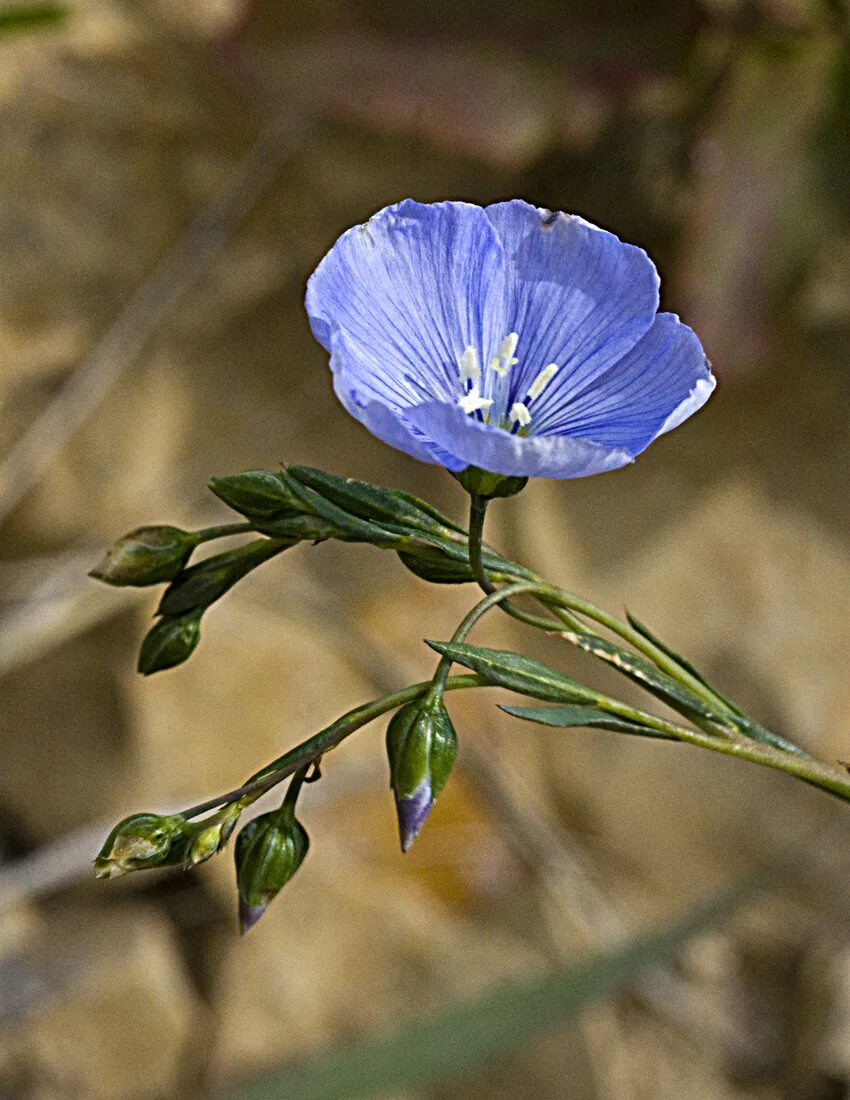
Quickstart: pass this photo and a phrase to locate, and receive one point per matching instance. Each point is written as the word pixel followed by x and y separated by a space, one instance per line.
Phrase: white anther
pixel 509 345
pixel 504 359
pixel 542 380
pixel 473 401
pixel 469 369
pixel 519 414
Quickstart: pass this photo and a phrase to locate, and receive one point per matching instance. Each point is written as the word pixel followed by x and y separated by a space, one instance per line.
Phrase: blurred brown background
pixel 170 173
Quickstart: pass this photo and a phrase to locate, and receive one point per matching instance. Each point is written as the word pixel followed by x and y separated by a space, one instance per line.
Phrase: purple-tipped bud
pixel 422 746
pixel 268 852
pixel 249 915
pixel 413 813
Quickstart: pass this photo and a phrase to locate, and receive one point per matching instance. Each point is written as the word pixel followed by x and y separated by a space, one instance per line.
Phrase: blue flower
pixel 504 337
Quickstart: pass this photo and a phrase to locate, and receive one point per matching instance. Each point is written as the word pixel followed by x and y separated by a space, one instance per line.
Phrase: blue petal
pixel 411 289
pixel 387 424
pixel 472 443
pixel 577 295
pixel 663 380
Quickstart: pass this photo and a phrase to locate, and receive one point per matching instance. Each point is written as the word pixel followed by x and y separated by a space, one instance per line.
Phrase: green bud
pixel 422 748
pixel 139 841
pixel 204 583
pixel 148 555
pixel 481 483
pixel 269 850
pixel 255 493
pixel 301 528
pixel 203 839
pixel 432 565
pixel 170 642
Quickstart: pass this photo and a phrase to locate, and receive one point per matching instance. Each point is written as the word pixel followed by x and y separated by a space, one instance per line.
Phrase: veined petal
pixel 652 389
pixel 578 296
pixel 388 424
pixel 411 289
pixel 472 443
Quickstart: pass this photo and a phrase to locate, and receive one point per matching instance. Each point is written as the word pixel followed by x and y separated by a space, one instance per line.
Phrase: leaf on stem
pixel 374 502
pixel 573 716
pixel 745 724
pixel 517 673
pixel 647 675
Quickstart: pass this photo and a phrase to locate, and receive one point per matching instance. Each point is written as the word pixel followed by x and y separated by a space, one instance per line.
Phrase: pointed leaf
pixel 518 673
pixel 368 501
pixel 647 675
pixel 571 716
pixel 743 721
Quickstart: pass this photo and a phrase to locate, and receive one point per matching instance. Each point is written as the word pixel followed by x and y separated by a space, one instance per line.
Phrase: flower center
pixel 488 396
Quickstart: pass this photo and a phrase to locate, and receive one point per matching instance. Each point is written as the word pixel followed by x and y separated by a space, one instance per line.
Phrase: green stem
pixel 477 516
pixel 325 740
pixel 567 602
pixel 207 534
pixel 801 767
pixel 494 597
pixel 293 790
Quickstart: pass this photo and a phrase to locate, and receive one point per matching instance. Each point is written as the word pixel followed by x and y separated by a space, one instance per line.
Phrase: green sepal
pixel 521 674
pixel 421 747
pixel 204 583
pixel 374 502
pixel 255 493
pixel 482 483
pixel 170 642
pixel 147 555
pixel 572 716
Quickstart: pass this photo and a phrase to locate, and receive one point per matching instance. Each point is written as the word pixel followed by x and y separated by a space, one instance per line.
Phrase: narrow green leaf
pixel 351 527
pixel 518 673
pixel 647 675
pixel 368 501
pixel 571 716
pixel 491 1027
pixel 202 584
pixel 641 628
pixel 742 720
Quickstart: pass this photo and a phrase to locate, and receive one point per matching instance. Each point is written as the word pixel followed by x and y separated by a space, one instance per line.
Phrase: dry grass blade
pixel 156 298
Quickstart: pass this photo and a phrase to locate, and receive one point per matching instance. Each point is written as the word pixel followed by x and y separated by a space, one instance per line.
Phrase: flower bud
pixel 139 841
pixel 170 642
pixel 148 555
pixel 422 747
pixel 203 839
pixel 256 493
pixel 269 850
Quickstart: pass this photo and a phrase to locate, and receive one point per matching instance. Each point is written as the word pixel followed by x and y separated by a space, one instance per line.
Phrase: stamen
pixel 504 359
pixel 469 369
pixel 542 381
pixel 473 401
pixel 519 414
